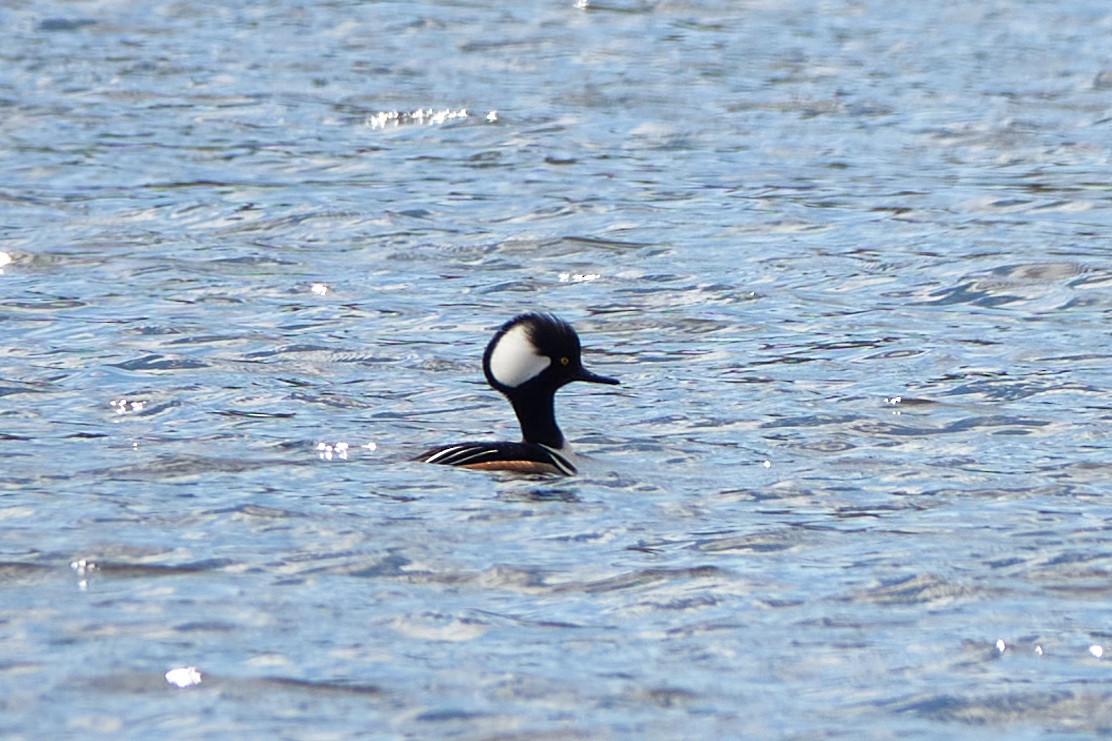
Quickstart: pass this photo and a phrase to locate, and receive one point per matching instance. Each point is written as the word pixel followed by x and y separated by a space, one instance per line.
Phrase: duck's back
pixel 502 456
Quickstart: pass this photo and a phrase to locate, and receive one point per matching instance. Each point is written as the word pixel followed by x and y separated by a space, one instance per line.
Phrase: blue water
pixel 850 261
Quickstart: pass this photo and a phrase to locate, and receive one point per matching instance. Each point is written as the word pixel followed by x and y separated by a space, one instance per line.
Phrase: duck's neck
pixel 536 413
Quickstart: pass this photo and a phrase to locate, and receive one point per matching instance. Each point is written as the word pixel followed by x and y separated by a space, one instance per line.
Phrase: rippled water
pixel 850 261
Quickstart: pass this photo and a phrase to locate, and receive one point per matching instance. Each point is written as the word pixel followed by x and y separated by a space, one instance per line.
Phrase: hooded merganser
pixel 530 357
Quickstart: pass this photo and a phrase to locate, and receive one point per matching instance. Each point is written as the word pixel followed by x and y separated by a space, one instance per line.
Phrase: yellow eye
pixel 564 361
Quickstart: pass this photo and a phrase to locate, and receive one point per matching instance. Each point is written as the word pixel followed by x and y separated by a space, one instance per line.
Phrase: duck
pixel 528 360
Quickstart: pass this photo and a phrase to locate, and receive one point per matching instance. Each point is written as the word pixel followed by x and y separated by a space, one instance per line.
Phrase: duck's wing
pixel 497 456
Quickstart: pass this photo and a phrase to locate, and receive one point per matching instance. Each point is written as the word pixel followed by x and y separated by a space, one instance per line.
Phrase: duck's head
pixel 536 353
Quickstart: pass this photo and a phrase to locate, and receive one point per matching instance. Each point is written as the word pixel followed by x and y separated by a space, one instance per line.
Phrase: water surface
pixel 849 260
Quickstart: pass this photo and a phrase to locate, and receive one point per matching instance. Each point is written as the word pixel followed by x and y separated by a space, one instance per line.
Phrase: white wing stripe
pixel 561 462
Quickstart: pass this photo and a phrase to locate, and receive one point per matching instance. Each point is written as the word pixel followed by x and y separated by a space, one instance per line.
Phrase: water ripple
pixel 855 287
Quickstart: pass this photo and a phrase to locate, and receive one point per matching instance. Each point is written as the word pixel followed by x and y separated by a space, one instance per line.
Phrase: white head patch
pixel 515 359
